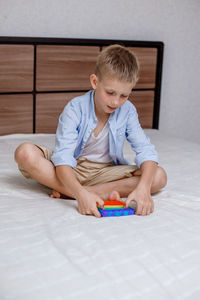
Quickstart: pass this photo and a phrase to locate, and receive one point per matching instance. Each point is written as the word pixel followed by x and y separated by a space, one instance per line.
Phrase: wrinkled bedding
pixel 50 251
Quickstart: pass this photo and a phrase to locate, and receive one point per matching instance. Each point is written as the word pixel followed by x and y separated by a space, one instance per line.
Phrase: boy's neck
pixel 101 117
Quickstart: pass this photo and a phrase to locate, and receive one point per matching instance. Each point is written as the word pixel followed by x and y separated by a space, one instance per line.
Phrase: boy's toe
pixel 55 194
pixel 114 196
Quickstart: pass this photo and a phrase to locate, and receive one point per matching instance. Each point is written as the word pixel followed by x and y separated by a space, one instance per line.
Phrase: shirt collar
pixel 92 104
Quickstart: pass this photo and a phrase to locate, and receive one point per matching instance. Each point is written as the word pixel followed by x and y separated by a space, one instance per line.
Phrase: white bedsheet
pixel 49 251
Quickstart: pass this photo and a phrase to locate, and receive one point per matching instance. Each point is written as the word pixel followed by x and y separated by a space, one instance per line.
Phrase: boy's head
pixel 119 63
pixel 115 76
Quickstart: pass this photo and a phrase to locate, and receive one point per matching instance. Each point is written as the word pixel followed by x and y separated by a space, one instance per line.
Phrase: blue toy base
pixel 116 212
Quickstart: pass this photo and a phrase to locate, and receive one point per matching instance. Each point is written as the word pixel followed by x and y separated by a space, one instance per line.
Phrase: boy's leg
pixel 126 185
pixel 33 164
pixel 113 179
pixel 103 178
pixel 31 159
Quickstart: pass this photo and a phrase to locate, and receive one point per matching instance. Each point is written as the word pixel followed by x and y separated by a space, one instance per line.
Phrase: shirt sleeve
pixel 67 136
pixel 140 143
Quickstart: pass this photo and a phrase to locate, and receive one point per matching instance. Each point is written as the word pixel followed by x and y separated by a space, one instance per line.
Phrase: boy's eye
pixel 109 93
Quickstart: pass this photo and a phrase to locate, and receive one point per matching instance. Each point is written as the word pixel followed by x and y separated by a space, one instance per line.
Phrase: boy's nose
pixel 115 101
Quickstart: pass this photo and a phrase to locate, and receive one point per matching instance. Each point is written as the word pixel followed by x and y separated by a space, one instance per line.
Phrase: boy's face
pixel 110 93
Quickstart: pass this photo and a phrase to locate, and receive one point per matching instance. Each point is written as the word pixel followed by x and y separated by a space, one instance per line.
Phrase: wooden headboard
pixel 38 76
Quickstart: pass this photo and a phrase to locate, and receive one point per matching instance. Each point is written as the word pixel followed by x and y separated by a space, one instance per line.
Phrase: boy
pixel 87 163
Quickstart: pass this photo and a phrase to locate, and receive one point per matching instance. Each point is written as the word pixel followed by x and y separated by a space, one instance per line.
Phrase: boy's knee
pixel 23 152
pixel 160 179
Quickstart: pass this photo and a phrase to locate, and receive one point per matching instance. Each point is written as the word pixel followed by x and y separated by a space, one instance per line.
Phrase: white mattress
pixel 49 251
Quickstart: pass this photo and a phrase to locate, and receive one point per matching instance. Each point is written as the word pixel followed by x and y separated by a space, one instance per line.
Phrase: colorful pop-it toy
pixel 115 208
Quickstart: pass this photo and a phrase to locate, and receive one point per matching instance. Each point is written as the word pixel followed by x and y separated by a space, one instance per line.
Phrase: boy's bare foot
pixel 55 194
pixel 112 196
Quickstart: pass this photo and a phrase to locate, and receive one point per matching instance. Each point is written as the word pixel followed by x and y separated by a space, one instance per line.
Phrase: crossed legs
pixel 30 158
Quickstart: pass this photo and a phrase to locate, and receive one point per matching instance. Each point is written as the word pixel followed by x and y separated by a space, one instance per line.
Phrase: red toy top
pixel 113 203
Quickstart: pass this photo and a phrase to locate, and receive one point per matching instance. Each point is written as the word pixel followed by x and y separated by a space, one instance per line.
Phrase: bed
pixel 47 249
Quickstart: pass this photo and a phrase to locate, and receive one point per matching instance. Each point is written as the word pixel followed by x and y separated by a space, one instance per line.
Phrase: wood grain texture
pixel 148 61
pixel 65 67
pixel 48 109
pixel 16 68
pixel 60 68
pixel 144 103
pixel 16 114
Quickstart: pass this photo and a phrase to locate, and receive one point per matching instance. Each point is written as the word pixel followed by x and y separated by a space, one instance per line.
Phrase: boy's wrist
pixel 81 193
pixel 143 186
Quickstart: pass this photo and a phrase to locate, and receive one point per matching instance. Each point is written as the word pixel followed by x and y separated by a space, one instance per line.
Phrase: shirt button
pixel 90 130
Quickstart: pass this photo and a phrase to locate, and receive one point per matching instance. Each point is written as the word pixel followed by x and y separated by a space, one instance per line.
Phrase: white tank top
pixel 97 148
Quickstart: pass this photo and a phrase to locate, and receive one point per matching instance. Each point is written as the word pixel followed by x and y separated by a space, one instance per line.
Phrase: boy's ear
pixel 93 81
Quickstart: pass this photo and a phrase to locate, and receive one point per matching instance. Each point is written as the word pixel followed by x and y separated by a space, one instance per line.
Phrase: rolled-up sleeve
pixel 66 136
pixel 140 143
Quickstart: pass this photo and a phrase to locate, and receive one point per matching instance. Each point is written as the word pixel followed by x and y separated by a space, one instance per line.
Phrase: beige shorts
pixel 91 173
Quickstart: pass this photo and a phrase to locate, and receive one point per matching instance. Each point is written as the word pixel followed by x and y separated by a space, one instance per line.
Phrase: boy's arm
pixel 87 201
pixel 67 136
pixel 140 142
pixel 142 193
pixel 146 160
pixel 64 160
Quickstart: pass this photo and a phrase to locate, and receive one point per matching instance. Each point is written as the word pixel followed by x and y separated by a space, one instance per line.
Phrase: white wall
pixel 175 22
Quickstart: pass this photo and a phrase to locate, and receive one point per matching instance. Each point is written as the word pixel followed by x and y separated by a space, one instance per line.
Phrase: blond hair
pixel 117 61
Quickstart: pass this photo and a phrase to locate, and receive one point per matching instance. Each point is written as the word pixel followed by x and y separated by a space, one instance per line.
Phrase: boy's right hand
pixel 87 204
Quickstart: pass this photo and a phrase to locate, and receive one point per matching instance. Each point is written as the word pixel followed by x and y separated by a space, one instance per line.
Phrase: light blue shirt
pixel 77 122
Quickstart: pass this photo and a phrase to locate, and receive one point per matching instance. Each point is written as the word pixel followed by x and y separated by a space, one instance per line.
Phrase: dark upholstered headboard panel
pixel 38 76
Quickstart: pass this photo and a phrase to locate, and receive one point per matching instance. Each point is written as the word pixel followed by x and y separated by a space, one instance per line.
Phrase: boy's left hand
pixel 143 199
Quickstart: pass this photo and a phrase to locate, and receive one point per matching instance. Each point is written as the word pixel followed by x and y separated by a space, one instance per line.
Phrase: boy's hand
pixel 143 199
pixel 87 204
